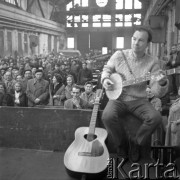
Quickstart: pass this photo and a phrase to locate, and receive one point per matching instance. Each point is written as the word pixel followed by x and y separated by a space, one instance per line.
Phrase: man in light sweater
pixel 133 99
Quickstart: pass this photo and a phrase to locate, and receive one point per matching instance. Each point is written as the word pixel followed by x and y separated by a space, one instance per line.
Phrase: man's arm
pixel 158 88
pixel 110 67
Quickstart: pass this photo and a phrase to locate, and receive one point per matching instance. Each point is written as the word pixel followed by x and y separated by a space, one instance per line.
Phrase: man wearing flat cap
pixel 37 90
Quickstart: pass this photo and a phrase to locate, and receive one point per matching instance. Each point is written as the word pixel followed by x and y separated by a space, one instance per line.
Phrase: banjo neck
pixel 149 77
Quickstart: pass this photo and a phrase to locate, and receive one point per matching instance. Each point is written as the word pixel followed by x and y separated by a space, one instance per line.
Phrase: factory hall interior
pixel 89 89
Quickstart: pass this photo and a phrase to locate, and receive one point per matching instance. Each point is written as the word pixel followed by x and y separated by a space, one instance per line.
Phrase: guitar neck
pixel 146 78
pixel 93 119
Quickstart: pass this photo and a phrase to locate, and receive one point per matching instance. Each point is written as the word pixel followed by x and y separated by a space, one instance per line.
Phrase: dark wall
pixel 93 41
pixel 100 39
pixel 40 128
pixel 49 129
pixel 83 42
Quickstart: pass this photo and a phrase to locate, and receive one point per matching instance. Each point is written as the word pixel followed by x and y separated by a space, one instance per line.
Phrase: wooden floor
pixel 21 164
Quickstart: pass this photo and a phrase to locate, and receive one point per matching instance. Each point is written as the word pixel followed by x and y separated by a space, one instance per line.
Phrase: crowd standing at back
pixel 44 81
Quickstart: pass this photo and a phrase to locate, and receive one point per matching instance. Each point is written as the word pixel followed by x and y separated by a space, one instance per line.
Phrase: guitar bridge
pixel 88 154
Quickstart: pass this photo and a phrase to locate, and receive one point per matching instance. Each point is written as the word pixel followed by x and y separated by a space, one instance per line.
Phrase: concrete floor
pixel 24 164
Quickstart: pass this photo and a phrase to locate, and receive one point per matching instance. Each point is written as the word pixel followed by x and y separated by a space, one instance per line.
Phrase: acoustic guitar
pixel 88 156
pixel 118 82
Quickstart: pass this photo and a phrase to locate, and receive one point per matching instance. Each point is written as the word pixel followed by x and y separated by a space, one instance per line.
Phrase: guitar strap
pixel 129 68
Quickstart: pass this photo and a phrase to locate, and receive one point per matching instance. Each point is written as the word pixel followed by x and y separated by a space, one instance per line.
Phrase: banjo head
pixel 117 87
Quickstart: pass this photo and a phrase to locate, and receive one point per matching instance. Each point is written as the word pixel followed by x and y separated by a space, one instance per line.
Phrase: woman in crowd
pixel 69 86
pixel 57 91
pixel 19 96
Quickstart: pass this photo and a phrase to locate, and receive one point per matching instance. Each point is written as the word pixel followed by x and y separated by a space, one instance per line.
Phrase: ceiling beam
pixel 29 5
pixel 41 9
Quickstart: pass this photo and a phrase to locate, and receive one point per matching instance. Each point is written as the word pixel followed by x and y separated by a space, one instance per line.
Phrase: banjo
pixel 118 82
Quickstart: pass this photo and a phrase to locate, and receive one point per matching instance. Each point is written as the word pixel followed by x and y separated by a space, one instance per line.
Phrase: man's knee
pixel 106 117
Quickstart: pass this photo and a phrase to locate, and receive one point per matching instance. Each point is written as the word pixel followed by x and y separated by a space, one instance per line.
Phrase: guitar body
pixel 87 156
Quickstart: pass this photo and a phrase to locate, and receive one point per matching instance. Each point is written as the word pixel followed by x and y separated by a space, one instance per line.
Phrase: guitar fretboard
pixel 93 119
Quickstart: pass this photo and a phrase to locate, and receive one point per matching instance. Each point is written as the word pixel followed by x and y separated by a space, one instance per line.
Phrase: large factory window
pixel 119 42
pixel 13 2
pixel 70 42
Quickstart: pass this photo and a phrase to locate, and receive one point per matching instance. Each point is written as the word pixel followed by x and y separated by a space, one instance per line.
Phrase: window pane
pixel 96 24
pixel 77 2
pixel 119 42
pixel 119 17
pixel 69 21
pixel 128 4
pixel 137 19
pixel 128 24
pixel 77 18
pixel 106 17
pixel 137 4
pixel 69 6
pixel 104 50
pixel 96 18
pixel 119 4
pixel 84 3
pixel 70 42
pixel 76 24
pixel 69 25
pixel 85 20
pixel 85 24
pixel 128 18
pixel 118 24
pixel 106 24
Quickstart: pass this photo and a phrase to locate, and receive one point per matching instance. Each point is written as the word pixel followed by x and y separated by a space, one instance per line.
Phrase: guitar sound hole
pixel 90 137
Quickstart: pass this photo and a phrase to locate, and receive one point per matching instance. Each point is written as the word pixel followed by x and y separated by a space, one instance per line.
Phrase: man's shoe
pixel 134 151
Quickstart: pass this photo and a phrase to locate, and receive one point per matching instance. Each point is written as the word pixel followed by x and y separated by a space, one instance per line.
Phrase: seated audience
pixel 88 95
pixel 75 102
